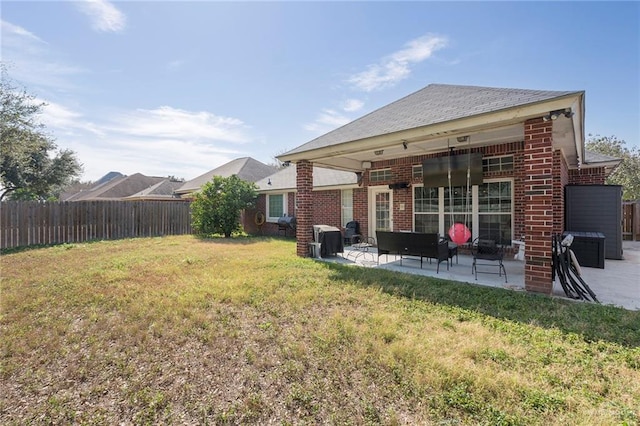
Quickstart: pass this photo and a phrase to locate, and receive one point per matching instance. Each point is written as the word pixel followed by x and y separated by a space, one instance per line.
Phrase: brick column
pixel 538 197
pixel 560 180
pixel 304 219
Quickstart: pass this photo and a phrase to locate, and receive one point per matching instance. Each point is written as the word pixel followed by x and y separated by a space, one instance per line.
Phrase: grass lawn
pixel 182 330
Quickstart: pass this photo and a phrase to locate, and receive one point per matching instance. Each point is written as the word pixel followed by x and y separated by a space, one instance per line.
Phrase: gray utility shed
pixel 596 208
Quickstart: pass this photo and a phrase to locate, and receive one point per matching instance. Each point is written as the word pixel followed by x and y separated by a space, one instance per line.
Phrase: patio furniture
pixel 453 249
pixel 486 252
pixel 362 248
pixel 352 233
pixel 589 248
pixel 329 238
pixel 413 244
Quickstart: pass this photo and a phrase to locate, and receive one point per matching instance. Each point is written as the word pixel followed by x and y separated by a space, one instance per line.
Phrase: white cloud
pixel 397 66
pixel 105 17
pixel 65 121
pixel 32 62
pixel 168 122
pixel 8 29
pixel 326 121
pixel 352 105
pixel 157 142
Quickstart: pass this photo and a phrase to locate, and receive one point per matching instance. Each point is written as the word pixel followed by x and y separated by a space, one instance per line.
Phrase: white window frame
pixel 416 172
pixel 438 213
pixel 285 198
pixel 386 175
pixel 346 211
pixel 500 167
pixel 476 207
pixel 474 213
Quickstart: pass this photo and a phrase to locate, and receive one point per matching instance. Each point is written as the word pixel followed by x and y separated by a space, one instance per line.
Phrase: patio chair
pixel 486 252
pixel 452 247
pixel 352 233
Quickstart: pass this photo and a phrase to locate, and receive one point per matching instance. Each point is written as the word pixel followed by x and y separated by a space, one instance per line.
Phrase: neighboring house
pixel 120 187
pixel 161 191
pixel 332 202
pixel 521 147
pixel 246 168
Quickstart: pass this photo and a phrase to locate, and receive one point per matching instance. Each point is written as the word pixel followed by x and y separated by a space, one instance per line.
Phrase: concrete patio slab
pixel 617 284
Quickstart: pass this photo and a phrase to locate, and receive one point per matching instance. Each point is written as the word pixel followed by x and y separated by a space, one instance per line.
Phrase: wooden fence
pixel 631 220
pixel 24 223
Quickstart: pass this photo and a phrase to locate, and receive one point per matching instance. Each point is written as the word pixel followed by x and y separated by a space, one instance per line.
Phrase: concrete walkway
pixel 617 284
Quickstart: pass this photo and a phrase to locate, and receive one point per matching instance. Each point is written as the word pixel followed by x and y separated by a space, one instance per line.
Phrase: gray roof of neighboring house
pixel 160 191
pixel 436 103
pixel 117 188
pixel 285 179
pixel 246 168
pixel 595 159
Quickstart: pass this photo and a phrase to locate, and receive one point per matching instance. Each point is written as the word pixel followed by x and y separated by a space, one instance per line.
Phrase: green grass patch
pixel 182 330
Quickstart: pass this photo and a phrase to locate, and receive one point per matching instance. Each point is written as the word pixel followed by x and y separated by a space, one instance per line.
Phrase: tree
pixel 216 208
pixel 29 165
pixel 627 173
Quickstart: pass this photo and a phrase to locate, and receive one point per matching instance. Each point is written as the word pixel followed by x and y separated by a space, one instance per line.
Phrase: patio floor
pixel 617 284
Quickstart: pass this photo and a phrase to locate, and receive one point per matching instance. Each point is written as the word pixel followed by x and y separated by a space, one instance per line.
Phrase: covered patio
pixel 618 284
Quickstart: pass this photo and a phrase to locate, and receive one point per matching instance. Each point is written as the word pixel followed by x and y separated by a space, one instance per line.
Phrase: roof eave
pixel 452 128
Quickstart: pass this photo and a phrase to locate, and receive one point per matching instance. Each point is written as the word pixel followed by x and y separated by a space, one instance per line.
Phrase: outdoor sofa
pixel 413 244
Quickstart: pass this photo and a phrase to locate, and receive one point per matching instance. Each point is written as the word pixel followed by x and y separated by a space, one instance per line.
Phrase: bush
pixel 216 208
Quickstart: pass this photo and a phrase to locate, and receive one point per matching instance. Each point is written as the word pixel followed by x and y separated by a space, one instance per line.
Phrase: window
pixel 347 206
pixel 487 209
pixel 379 175
pixel 426 207
pixel 276 206
pixel 495 202
pixel 497 164
pixel 416 172
pixel 458 206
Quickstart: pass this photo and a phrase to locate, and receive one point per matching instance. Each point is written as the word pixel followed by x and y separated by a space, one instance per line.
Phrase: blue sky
pixel 179 88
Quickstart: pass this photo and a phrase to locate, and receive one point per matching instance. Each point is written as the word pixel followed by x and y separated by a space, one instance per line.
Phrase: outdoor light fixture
pixel 553 115
pixel 378 152
pixel 286 163
pixel 463 138
pixel 404 144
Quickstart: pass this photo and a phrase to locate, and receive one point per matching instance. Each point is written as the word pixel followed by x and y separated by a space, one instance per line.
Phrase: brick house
pixel 332 197
pixel 528 145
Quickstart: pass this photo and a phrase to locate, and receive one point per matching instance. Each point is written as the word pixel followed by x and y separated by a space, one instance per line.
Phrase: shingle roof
pixel 436 103
pixel 161 190
pixel 592 157
pixel 595 159
pixel 246 168
pixel 285 179
pixel 117 188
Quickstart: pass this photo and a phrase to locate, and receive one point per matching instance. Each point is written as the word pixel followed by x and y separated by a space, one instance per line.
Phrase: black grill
pixel 286 223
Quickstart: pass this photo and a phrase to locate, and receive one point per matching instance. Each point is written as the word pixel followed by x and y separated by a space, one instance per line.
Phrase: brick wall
pixel 267 228
pixel 539 212
pixel 590 176
pixel 327 208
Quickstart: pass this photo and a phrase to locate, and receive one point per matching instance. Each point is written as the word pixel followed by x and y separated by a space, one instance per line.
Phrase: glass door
pixel 381 213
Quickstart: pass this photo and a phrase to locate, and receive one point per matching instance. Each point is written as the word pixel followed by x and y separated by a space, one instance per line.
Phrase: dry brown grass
pixel 180 330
